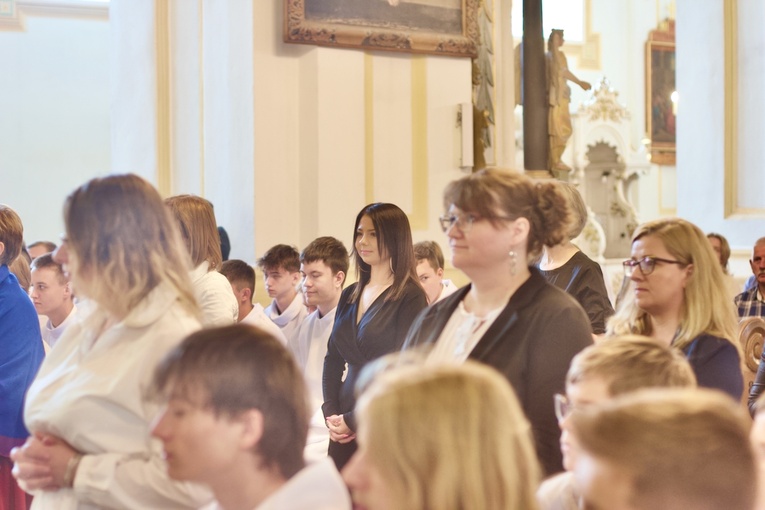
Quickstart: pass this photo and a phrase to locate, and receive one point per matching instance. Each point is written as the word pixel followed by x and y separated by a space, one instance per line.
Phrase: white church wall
pixel 331 169
pixel 290 141
pixel 703 173
pixel 229 79
pixel 337 129
pixel 202 52
pixel 268 131
pixel 242 101
pixel 750 186
pixel 54 126
pixel 133 74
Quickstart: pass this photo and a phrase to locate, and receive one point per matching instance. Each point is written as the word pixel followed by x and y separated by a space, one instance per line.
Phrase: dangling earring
pixel 513 263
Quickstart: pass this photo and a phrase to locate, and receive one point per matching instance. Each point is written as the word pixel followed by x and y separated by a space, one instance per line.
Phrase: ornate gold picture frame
pixel 660 93
pixel 439 27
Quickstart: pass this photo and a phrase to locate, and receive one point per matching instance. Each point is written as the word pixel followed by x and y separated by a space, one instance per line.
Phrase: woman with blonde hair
pixel 509 316
pixel 675 298
pixel 86 410
pixel 196 220
pixel 446 438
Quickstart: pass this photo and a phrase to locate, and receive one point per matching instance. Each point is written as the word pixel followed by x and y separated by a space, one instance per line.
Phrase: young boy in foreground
pixel 597 375
pixel 236 420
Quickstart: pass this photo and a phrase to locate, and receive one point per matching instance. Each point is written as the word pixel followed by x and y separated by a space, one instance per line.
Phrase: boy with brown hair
pixel 430 271
pixel 281 272
pixel 52 296
pixel 241 276
pixel 323 265
pixel 236 420
pixel 674 449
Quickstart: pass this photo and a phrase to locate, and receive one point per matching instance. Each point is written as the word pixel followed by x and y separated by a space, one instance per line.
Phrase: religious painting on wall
pixel 661 94
pixel 441 27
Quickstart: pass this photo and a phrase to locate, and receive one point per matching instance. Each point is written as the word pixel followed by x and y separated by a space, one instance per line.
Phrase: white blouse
pixel 460 335
pixel 215 296
pixel 91 392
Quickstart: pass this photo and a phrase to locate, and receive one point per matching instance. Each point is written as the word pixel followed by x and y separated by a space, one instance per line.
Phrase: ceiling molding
pixel 14 12
pixel 10 18
pixel 65 8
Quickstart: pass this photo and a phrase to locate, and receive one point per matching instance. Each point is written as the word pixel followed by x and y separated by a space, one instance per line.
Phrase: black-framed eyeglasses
pixel 646 264
pixel 464 221
pixel 562 406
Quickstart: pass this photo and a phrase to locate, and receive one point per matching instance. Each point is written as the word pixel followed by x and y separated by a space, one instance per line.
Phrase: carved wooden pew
pixel 751 331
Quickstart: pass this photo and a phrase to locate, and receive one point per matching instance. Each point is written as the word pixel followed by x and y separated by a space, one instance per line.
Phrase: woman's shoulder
pixel 707 345
pixel 413 290
pixel 710 341
pixel 178 318
pixel 345 297
pixel 212 280
pixel 348 291
pixel 411 298
pixel 582 261
pixel 554 307
pixel 545 294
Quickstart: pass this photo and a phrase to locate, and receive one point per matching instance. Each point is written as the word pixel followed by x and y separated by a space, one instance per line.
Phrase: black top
pixel 582 278
pixel 381 330
pixel 531 343
pixel 716 363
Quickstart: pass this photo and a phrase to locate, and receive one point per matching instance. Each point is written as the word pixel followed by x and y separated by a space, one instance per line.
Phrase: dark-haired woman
pixel 509 316
pixel 373 315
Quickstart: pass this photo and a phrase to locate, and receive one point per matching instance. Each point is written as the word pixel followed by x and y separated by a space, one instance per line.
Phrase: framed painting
pixel 439 27
pixel 661 94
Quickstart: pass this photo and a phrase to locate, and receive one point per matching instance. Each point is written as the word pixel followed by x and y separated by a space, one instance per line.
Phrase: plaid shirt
pixel 750 304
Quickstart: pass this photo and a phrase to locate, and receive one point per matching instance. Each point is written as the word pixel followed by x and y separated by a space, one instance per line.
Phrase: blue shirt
pixel 21 352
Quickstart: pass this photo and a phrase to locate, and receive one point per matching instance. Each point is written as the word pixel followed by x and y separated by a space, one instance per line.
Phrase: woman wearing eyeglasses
pixel 509 316
pixel 677 297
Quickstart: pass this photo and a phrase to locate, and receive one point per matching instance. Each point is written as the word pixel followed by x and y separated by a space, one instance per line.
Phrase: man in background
pixel 281 272
pixel 430 271
pixel 241 276
pixel 52 296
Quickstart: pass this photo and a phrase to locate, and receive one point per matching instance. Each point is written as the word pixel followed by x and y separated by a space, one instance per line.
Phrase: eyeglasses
pixel 646 264
pixel 562 407
pixel 465 221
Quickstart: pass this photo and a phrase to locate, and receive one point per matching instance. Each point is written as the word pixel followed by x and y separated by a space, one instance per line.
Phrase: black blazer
pixel 531 343
pixel 381 330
